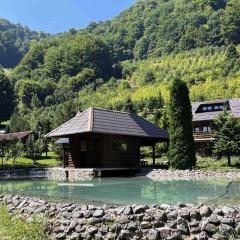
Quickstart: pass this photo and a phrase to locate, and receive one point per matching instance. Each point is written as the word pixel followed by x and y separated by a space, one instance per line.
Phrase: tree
pixel 26 89
pixel 227 135
pixel 14 149
pixel 2 150
pixel 6 97
pixel 230 22
pixel 181 146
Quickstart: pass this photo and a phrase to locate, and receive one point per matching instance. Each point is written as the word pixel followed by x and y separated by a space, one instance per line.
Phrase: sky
pixel 54 16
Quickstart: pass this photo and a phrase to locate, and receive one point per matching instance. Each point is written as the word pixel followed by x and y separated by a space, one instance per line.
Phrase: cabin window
pixel 196 129
pixel 205 108
pixel 119 145
pixel 206 129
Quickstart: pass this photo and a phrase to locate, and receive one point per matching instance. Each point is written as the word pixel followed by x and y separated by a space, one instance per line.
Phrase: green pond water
pixel 139 190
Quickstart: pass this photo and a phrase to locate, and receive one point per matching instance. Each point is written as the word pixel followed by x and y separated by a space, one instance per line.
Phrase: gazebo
pixel 100 138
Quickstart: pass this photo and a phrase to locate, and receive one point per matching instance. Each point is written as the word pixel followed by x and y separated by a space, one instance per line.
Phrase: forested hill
pixel 14 42
pixel 152 28
pixel 128 62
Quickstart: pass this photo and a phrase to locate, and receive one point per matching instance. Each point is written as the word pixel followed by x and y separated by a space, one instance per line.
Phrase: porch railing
pixel 202 135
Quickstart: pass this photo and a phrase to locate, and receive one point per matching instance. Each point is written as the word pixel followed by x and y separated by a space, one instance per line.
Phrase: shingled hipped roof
pixel 14 136
pixel 234 105
pixel 95 120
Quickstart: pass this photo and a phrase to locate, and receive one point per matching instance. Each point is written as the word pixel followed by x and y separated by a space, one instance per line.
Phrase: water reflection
pixel 129 190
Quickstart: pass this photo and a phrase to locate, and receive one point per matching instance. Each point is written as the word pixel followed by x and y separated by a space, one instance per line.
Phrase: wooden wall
pixel 105 156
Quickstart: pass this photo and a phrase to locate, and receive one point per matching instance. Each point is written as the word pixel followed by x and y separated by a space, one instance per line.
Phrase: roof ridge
pixel 109 110
pixel 90 119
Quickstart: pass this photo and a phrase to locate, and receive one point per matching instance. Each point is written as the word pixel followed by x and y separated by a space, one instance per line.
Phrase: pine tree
pixel 181 146
pixel 227 135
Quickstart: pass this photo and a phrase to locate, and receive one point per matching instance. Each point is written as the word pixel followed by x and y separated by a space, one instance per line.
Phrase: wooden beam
pixel 153 155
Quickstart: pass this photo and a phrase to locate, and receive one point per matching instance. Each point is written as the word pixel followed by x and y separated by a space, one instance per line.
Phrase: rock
pixel 74 236
pixel 87 214
pixel 164 206
pixel 214 218
pixel 194 223
pixel 195 230
pixel 145 225
pixel 98 213
pixel 165 232
pixel 209 228
pixel 98 236
pixel 92 230
pixel 218 236
pixel 40 210
pixel 225 230
pixel 158 224
pixel 73 224
pixel 153 234
pixel 205 211
pixel 123 219
pixel 78 228
pixel 77 214
pixel 181 205
pixel 160 216
pixel 132 226
pixel 184 214
pixel 228 221
pixel 195 214
pixel 228 211
pixel 124 234
pixel 104 229
pixel 183 228
pixel 61 236
pixel 138 209
pixel 171 216
pixel 128 211
pixel 203 236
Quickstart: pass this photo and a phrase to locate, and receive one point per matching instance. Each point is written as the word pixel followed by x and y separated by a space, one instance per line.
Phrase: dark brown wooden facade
pixel 204 114
pixel 103 151
pixel 99 138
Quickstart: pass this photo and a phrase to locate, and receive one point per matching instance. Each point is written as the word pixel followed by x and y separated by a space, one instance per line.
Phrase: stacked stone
pixel 161 174
pixel 74 221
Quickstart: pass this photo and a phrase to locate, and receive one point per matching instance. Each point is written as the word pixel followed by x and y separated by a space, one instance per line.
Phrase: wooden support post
pixel 153 155
pixel 64 163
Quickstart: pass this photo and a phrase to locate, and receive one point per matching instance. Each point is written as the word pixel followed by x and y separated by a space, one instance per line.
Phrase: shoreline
pixel 169 222
pixel 154 174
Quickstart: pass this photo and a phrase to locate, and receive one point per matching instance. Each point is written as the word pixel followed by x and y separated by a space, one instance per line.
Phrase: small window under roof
pixel 212 107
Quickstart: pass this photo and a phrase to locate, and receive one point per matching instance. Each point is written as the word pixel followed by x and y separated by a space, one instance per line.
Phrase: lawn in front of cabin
pixel 24 162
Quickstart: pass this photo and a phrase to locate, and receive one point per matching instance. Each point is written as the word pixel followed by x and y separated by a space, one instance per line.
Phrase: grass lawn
pixel 18 229
pixel 214 164
pixel 49 161
pixel 207 163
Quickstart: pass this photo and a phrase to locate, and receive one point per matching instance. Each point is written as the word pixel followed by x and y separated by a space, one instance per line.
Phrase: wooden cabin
pixel 100 138
pixel 6 137
pixel 204 114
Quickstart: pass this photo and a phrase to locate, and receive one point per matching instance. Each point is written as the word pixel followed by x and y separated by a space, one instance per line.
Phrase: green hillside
pixel 14 42
pixel 127 63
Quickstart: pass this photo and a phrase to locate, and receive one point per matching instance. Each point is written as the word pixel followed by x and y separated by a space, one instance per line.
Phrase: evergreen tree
pixel 227 135
pixel 6 97
pixel 181 147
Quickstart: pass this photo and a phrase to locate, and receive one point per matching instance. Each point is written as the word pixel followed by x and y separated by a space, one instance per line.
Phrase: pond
pixel 123 191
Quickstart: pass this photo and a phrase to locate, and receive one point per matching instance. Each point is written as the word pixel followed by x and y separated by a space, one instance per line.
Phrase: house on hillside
pixel 6 137
pixel 100 138
pixel 204 114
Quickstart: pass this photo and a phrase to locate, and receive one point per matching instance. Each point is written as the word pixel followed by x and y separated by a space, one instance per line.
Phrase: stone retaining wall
pixel 60 174
pixel 160 174
pixel 163 222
